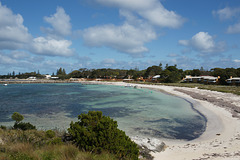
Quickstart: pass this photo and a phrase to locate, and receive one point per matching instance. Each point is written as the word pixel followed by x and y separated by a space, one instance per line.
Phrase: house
pixel 54 77
pixel 47 76
pixel 233 81
pixel 201 79
pixel 32 78
pixel 190 79
pixel 128 80
pixel 155 77
pixel 210 79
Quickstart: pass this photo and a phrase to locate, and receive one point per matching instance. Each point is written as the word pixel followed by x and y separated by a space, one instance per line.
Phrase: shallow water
pixel 139 112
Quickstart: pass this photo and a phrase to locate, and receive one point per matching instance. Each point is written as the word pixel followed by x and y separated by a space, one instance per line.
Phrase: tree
pixel 24 126
pixel 220 72
pixel 196 72
pixel 21 125
pixel 153 70
pixel 17 117
pixel 96 133
pixel 160 65
pixel 13 73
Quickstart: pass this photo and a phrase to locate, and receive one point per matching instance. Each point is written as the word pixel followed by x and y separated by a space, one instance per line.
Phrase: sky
pixel 124 34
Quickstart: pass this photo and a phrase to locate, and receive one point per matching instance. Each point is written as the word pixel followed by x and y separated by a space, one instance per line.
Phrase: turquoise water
pixel 139 112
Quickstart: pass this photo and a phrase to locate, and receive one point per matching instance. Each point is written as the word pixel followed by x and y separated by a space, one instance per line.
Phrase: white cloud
pixel 234 28
pixel 237 60
pixel 51 47
pixel 60 22
pixel 131 36
pixel 128 38
pixel 226 13
pixel 19 54
pixel 151 10
pixel 13 34
pixel 204 43
pixel 4 59
pixel 109 62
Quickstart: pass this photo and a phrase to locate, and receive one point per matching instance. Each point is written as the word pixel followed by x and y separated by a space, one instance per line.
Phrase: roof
pixel 157 76
pixel 235 78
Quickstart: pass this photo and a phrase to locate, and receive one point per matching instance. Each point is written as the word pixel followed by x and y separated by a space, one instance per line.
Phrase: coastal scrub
pixel 97 133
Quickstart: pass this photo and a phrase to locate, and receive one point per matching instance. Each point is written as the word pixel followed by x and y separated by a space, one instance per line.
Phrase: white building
pixel 235 80
pixel 32 78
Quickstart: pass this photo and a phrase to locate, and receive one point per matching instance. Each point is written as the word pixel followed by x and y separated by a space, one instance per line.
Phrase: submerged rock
pixel 152 144
pixel 161 147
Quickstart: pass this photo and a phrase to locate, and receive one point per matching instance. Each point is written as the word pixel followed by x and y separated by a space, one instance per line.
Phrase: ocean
pixel 139 112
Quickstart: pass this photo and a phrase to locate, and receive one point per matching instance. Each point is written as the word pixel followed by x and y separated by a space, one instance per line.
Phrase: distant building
pixel 156 77
pixel 47 76
pixel 54 77
pixel 190 79
pixel 233 81
pixel 201 79
pixel 32 78
pixel 128 80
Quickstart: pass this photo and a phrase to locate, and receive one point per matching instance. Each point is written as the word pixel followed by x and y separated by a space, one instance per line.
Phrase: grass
pixel 35 145
pixel 219 88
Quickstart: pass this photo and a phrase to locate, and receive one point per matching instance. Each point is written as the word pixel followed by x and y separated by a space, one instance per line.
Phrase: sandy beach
pixel 220 141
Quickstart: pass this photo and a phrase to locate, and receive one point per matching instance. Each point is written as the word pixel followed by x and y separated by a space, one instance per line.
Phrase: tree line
pixel 168 74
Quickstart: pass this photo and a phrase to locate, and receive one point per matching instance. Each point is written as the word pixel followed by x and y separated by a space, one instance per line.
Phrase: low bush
pixel 96 133
pixel 56 141
pixel 50 133
pixel 17 117
pixel 24 126
pixel 3 127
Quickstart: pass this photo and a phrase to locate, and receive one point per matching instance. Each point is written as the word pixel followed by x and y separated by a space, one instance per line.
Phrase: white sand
pixel 220 141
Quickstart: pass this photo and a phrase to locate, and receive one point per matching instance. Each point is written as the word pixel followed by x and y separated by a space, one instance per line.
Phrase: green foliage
pixel 96 133
pixel 152 71
pixel 225 73
pixel 48 156
pixel 3 127
pixel 21 145
pixel 56 141
pixel 17 117
pixel 50 133
pixel 24 126
pixel 20 156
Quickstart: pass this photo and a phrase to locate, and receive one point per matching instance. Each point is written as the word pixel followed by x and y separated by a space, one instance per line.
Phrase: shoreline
pixel 221 139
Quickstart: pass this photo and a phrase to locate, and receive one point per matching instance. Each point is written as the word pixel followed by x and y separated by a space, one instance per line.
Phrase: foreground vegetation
pixel 38 145
pixel 93 137
pixel 96 133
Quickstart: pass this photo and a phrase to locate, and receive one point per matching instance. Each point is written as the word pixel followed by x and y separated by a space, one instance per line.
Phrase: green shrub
pixel 50 133
pixel 20 156
pixel 56 141
pixel 24 126
pixel 96 133
pixel 3 127
pixel 17 117
pixel 48 156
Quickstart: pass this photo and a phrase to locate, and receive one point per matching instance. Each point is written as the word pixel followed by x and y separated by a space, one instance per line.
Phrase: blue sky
pixel 45 35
